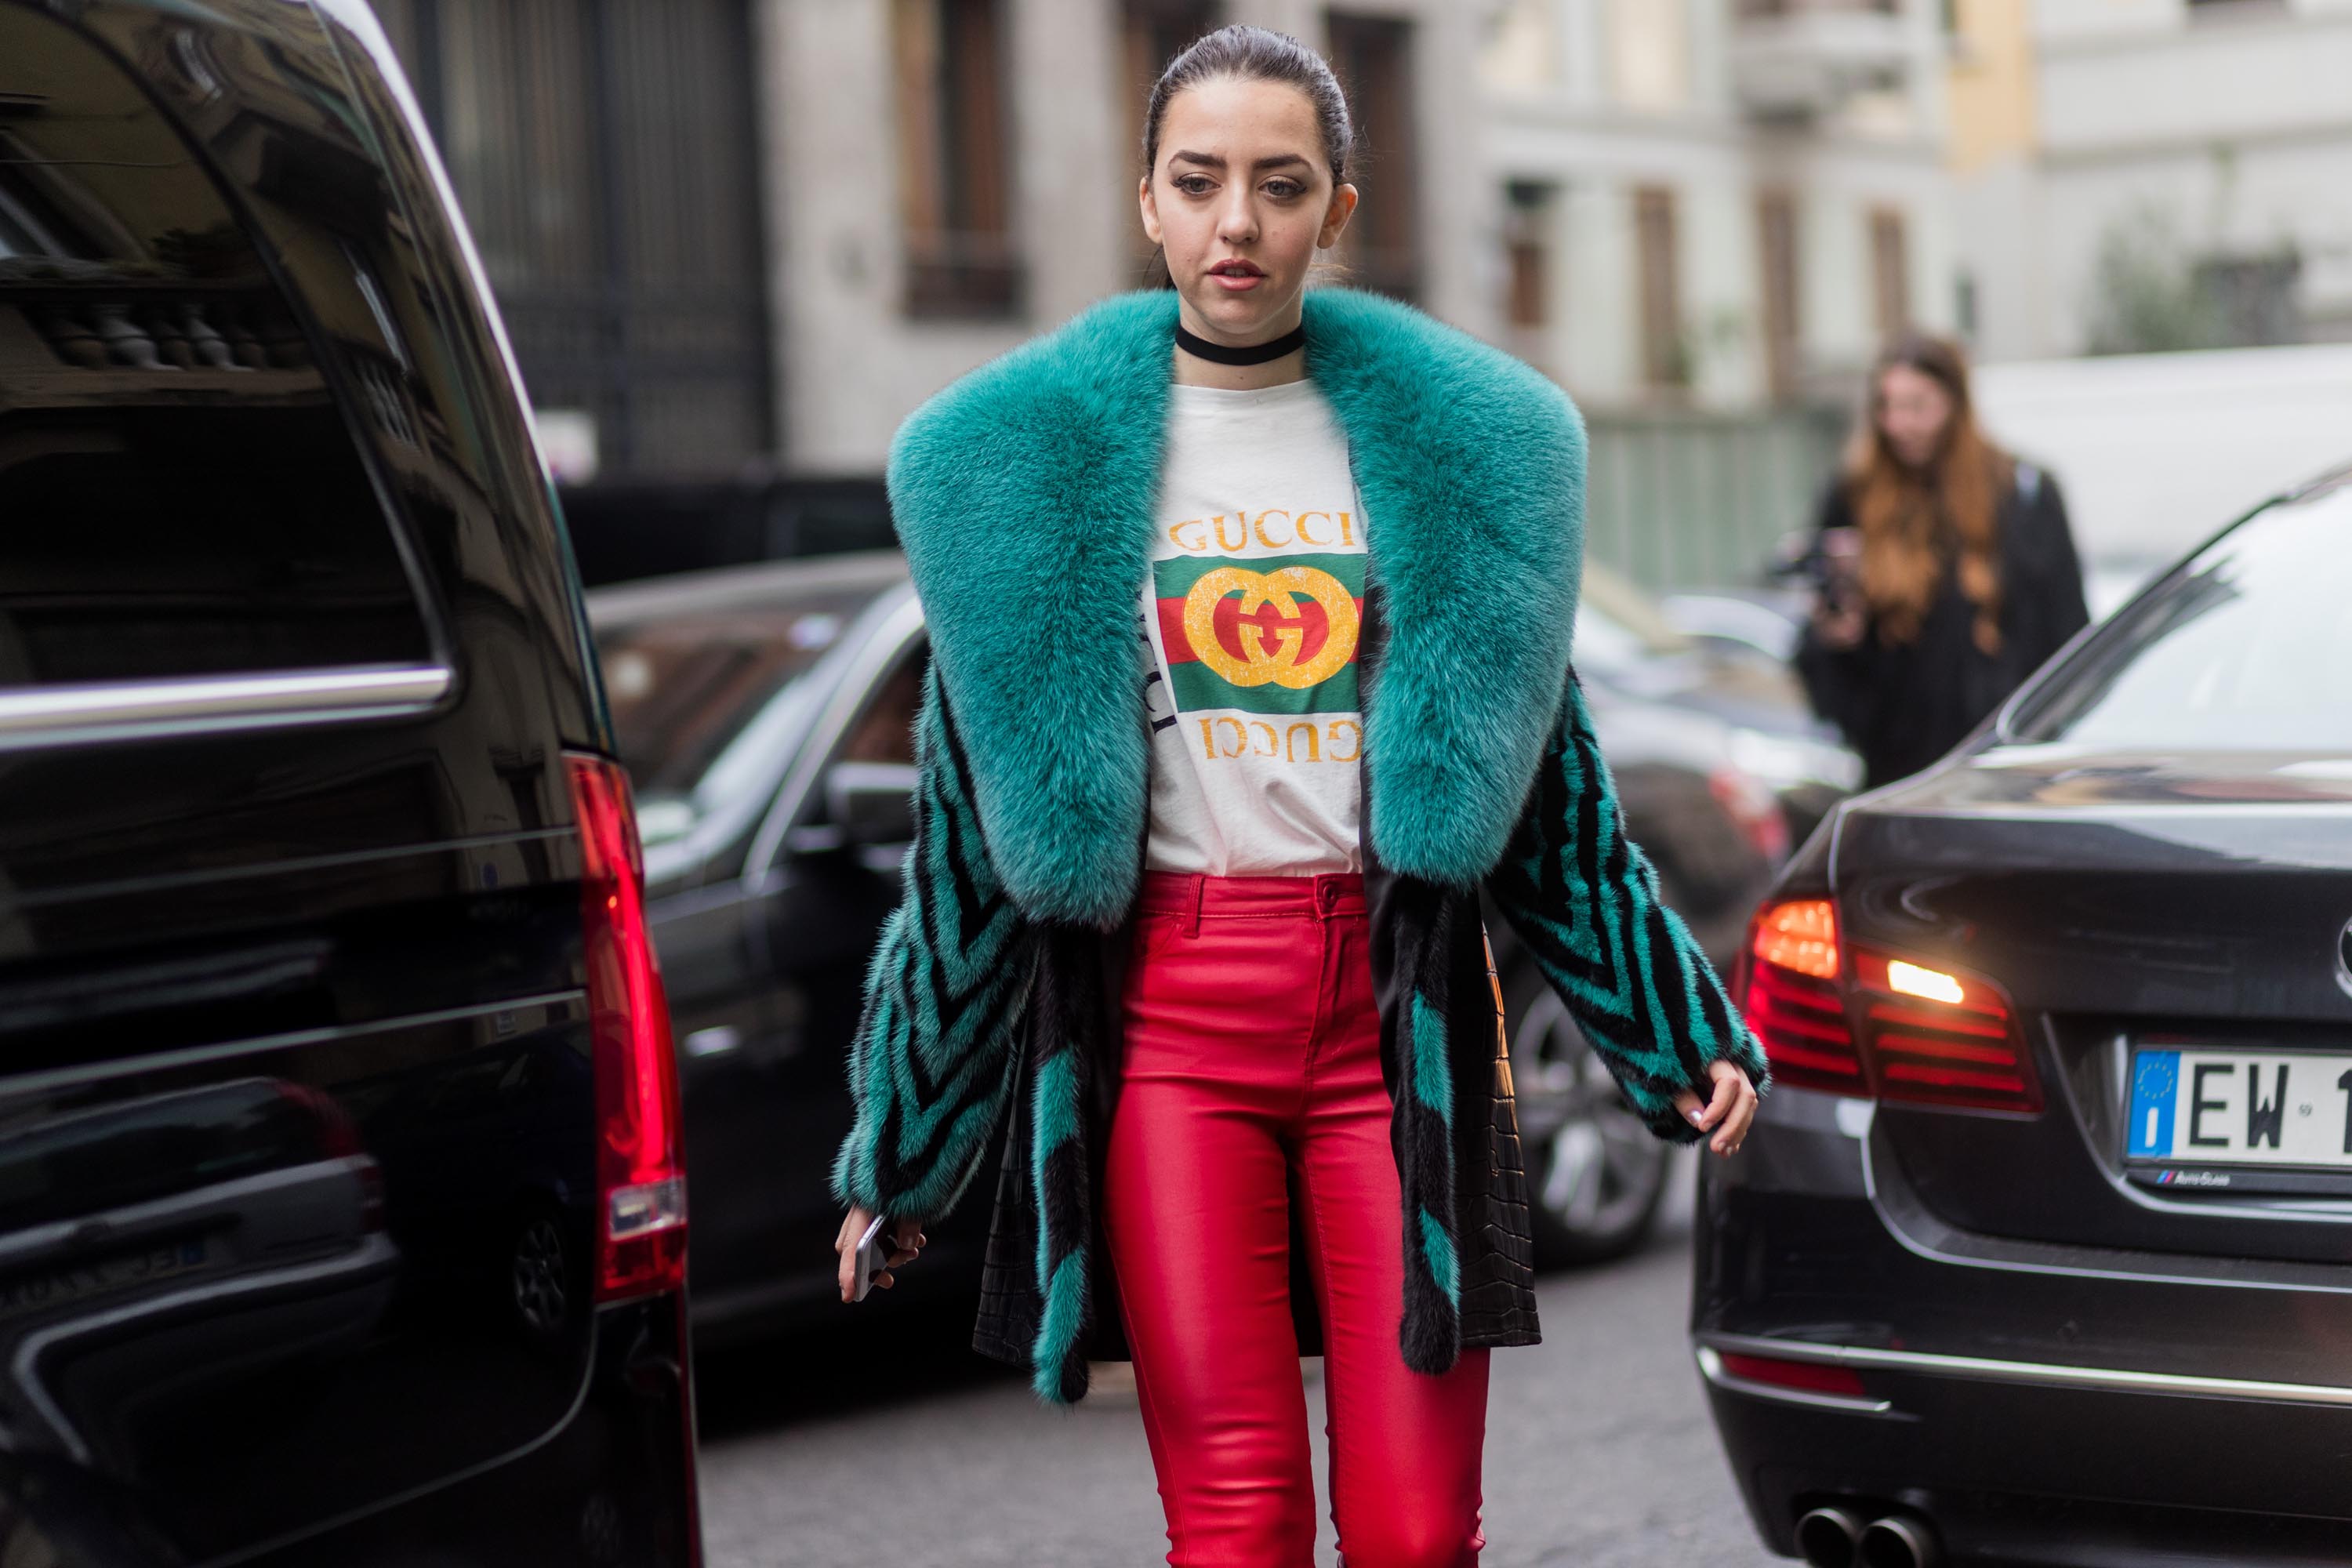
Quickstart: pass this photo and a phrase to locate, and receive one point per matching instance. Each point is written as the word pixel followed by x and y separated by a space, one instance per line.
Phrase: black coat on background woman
pixel 1947 572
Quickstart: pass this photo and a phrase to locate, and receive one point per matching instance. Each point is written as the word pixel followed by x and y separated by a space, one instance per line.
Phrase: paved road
pixel 1598 1452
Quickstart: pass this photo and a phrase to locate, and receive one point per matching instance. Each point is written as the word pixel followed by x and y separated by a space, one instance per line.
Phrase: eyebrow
pixel 1210 160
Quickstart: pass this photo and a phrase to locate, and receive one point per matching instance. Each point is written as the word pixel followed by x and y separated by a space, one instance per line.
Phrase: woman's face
pixel 1914 410
pixel 1240 201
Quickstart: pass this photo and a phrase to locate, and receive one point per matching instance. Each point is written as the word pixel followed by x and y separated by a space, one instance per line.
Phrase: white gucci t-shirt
pixel 1251 621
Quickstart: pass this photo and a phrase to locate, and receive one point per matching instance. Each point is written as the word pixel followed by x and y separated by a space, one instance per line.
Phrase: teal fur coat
pixel 1024 496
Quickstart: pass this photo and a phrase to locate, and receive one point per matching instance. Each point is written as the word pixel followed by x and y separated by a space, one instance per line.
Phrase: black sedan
pixel 766 713
pixel 2041 1252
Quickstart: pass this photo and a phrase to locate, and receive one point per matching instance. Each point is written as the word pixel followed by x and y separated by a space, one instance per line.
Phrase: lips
pixel 1236 276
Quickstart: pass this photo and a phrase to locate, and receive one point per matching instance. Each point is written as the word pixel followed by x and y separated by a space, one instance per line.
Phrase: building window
pixel 1890 271
pixel 1776 230
pixel 604 158
pixel 1527 253
pixel 1373 57
pixel 1665 360
pixel 1650 54
pixel 955 168
pixel 1152 34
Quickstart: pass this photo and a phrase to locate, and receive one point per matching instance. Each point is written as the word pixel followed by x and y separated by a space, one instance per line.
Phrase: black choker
pixel 1254 354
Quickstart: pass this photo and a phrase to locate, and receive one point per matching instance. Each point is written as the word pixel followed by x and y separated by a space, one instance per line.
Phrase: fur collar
pixel 1024 494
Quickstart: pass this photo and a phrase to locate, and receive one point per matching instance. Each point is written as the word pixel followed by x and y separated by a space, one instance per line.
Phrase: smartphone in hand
pixel 873 1254
pixel 1838 569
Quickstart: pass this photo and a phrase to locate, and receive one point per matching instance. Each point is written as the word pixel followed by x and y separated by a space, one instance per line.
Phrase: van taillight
pixel 1929 1036
pixel 640 1162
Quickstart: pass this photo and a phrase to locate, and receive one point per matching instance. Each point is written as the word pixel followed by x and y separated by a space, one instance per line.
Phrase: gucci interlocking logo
pixel 1283 589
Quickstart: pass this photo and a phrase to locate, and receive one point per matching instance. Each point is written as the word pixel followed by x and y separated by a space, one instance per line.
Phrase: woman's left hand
pixel 1729 1113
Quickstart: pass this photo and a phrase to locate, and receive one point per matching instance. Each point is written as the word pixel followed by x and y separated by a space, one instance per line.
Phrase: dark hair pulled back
pixel 1255 54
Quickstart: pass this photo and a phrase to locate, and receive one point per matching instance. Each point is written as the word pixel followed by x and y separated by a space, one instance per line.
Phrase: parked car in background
pixel 341 1212
pixel 1740 623
pixel 1768 730
pixel 2034 1253
pixel 766 713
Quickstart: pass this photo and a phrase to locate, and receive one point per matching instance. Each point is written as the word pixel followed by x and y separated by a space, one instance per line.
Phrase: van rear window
pixel 179 491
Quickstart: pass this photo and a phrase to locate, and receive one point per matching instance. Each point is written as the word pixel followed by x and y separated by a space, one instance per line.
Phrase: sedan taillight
pixel 1787 986
pixel 1927 1035
pixel 1938 1037
pixel 640 1159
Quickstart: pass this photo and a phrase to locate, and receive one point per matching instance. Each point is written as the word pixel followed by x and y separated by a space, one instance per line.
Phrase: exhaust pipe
pixel 1898 1540
pixel 1829 1538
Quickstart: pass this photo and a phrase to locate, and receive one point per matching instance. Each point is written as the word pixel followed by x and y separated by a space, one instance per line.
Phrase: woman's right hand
pixel 1840 616
pixel 907 1238
pixel 1838 628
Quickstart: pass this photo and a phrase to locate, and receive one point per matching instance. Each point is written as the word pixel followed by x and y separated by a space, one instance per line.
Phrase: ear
pixel 1336 215
pixel 1149 207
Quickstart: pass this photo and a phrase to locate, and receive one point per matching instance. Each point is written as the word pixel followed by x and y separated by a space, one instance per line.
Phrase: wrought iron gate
pixel 605 152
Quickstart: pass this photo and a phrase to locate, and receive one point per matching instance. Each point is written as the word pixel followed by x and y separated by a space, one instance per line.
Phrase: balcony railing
pixel 1794 58
pixel 1799 8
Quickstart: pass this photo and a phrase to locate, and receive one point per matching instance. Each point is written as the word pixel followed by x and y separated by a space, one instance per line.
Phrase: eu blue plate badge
pixel 2156 1084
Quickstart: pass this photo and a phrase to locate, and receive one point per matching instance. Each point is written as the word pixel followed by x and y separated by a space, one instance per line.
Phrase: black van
pixel 341 1207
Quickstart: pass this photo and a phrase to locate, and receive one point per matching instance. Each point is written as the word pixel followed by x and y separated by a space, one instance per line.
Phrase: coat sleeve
pixel 1847 685
pixel 931 1063
pixel 1584 899
pixel 2057 587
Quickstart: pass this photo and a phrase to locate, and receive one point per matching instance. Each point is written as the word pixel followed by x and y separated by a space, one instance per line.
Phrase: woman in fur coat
pixel 1249 611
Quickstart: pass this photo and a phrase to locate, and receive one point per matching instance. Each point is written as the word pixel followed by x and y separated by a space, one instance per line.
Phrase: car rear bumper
pixel 2038 1404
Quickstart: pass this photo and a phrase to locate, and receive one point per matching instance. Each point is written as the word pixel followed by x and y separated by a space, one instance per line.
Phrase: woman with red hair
pixel 1947 574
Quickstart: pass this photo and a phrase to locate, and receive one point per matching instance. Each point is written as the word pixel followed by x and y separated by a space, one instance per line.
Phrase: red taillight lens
pixel 1810 1376
pixel 640 1162
pixel 1788 984
pixel 1931 1035
pixel 1938 1037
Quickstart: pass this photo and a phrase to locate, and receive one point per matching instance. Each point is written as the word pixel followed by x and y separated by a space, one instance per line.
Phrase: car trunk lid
pixel 2134 910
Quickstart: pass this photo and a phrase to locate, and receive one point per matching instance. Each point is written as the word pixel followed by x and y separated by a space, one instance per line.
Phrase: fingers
pixel 1729 1109
pixel 844 1247
pixel 1728 1079
pixel 1687 1101
pixel 907 1239
pixel 1732 1109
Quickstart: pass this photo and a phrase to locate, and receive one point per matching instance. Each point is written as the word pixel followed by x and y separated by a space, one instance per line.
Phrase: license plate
pixel 2241 1108
pixel 60 1286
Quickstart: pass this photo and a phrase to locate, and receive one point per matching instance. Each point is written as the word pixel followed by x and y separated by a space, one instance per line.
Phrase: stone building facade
pixel 1721 202
pixel 2153 174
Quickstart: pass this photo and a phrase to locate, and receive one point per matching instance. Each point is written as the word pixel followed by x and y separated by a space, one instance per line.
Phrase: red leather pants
pixel 1253 1047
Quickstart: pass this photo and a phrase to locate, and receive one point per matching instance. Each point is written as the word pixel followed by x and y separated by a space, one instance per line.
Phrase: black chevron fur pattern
pixel 1062 1012
pixel 930 1063
pixel 1584 899
pixel 1423 1092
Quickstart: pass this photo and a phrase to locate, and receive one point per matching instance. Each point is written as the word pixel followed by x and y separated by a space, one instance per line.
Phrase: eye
pixel 1283 190
pixel 1194 184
